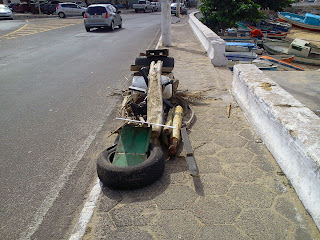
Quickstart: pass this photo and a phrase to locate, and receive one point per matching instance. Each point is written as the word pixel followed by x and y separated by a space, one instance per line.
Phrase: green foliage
pixel 222 14
pixel 276 5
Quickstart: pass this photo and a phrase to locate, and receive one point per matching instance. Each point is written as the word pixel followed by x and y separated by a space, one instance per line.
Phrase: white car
pixel 69 9
pixel 102 16
pixel 5 12
pixel 156 6
pixel 183 8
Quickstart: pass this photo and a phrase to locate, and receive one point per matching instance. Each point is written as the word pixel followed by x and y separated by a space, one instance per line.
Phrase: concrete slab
pixel 304 86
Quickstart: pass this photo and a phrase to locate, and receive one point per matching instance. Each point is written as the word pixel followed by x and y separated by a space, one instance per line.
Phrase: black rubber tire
pixel 112 26
pixel 87 29
pixel 130 177
pixel 120 25
pixel 61 15
pixel 136 10
pixel 143 61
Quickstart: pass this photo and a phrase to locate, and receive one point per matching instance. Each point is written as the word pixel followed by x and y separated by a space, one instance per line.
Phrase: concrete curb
pixel 213 44
pixel 289 129
pixel 20 16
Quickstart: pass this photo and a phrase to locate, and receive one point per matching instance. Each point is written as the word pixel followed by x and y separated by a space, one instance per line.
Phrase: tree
pixel 222 14
pixel 276 5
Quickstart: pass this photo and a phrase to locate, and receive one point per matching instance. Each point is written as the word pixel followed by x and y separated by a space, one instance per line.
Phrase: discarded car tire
pixel 131 177
pixel 143 61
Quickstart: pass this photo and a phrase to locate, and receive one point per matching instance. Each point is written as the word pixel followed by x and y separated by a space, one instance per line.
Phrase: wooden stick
pixel 175 136
pixel 229 110
pixel 126 99
pixel 167 131
pixel 155 102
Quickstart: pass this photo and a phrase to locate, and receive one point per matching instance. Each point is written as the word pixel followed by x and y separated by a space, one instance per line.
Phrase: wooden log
pixel 167 131
pixel 155 102
pixel 175 136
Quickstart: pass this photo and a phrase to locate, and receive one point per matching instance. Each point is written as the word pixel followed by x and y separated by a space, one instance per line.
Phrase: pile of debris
pixel 154 116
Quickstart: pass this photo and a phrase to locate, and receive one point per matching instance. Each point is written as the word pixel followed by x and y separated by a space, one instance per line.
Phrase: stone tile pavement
pixel 241 194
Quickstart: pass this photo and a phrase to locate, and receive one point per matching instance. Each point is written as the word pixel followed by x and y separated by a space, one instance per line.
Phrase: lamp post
pixel 166 23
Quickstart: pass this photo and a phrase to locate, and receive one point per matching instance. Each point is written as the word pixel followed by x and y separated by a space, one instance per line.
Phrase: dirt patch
pixel 304 34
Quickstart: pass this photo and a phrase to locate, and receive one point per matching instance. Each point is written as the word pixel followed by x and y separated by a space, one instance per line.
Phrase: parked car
pixel 11 6
pixel 69 9
pixel 5 12
pixel 102 15
pixel 81 4
pixel 25 8
pixel 156 6
pixel 183 8
pixel 143 6
pixel 48 8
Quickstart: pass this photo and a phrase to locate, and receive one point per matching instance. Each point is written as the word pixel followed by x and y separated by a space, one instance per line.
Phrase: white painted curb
pixel 212 43
pixel 289 129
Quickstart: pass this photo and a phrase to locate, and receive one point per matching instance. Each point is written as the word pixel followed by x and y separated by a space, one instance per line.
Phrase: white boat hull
pixel 277 50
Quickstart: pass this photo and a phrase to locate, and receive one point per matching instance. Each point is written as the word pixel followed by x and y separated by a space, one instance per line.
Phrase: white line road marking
pixel 87 212
pixel 54 192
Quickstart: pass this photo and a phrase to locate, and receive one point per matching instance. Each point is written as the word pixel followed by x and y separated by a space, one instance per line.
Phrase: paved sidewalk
pixel 241 194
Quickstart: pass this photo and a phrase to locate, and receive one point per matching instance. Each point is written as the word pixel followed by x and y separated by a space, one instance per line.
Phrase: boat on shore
pixel 284 64
pixel 302 50
pixel 275 25
pixel 269 33
pixel 284 57
pixel 308 21
pixel 239 46
pixel 261 64
pixel 241 56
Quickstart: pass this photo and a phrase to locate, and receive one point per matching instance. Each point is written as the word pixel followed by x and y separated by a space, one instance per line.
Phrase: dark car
pixel 26 8
pixel 48 8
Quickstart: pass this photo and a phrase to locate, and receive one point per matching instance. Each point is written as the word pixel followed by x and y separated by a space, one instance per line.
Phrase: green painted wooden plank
pixel 132 146
pixel 128 159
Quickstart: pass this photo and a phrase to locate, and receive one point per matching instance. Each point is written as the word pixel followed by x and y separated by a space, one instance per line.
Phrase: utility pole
pixel 178 8
pixel 166 23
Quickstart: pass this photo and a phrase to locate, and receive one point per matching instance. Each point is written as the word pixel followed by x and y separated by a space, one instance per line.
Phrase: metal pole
pixel 39 7
pixel 166 23
pixel 178 9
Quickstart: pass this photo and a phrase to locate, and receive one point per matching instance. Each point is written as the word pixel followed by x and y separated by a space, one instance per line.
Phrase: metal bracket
pixel 193 168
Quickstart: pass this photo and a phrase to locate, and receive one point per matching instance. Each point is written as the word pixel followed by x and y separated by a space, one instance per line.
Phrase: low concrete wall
pixel 289 129
pixel 213 44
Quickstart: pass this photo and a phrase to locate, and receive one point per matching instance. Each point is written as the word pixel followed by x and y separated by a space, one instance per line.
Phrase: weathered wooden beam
pixel 167 131
pixel 155 102
pixel 175 136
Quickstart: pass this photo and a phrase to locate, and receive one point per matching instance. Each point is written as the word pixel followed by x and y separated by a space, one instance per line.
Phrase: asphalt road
pixel 56 93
